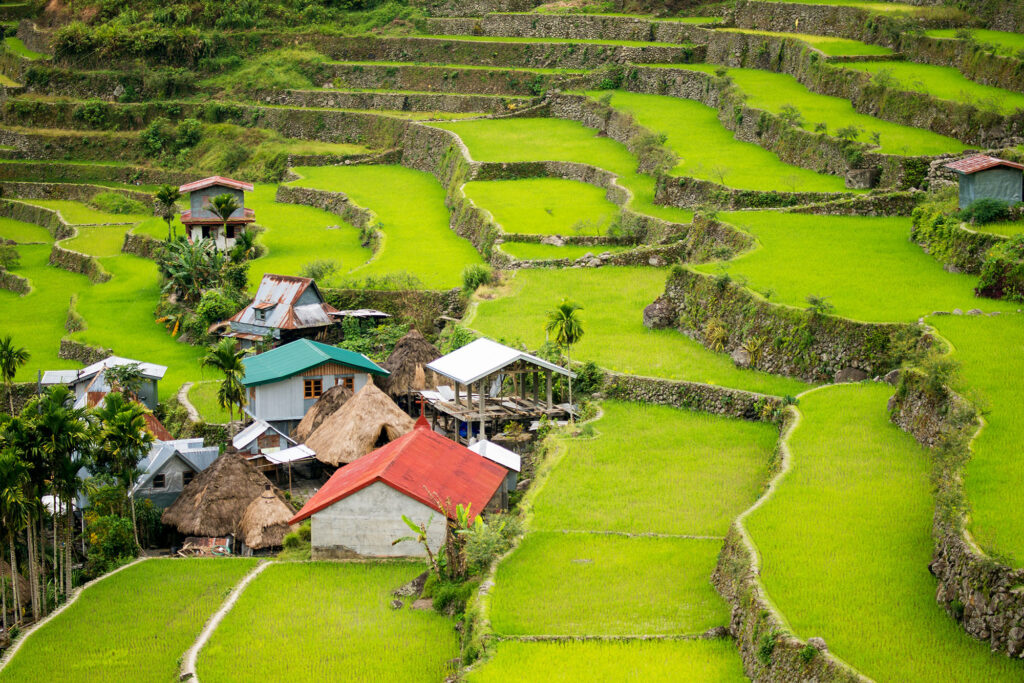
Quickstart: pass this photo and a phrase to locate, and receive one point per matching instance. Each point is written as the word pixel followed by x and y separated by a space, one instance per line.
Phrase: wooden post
pixel 536 388
pixel 483 400
pixel 456 393
pixel 547 374
pixel 522 384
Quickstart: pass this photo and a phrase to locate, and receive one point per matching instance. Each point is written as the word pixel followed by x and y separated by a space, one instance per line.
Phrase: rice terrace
pixel 512 340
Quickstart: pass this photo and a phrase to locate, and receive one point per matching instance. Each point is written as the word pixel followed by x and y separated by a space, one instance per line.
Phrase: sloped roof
pixel 216 180
pixel 149 371
pixel 159 431
pixel 499 454
pixel 278 296
pixel 981 162
pixel 422 465
pixel 484 357
pixel 254 431
pixel 248 216
pixel 191 451
pixel 299 355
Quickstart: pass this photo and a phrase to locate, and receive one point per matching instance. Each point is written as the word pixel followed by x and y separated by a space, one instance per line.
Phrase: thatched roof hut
pixel 213 503
pixel 406 365
pixel 265 521
pixel 328 404
pixel 367 421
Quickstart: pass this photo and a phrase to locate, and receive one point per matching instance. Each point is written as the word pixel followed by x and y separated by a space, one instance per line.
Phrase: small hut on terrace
pixel 329 403
pixel 265 521
pixel 407 365
pixel 367 421
pixel 213 503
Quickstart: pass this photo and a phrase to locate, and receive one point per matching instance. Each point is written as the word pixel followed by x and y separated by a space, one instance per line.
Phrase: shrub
pixel 808 653
pixel 1002 273
pixel 589 379
pixel 474 276
pixel 791 115
pixel 452 597
pixel 9 257
pixel 485 542
pixel 819 305
pixel 765 647
pixel 986 210
pixel 374 341
pixel 114 202
pixel 214 306
pixel 111 543
pixel 455 337
pixel 320 269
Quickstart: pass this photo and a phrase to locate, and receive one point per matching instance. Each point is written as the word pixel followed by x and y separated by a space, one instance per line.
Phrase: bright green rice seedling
pixel 23 232
pixel 875 7
pixel 1008 228
pixel 711 467
pixel 866 266
pixel 83 214
pixel 707 150
pixel 846 541
pixel 710 661
pixel 5 80
pixel 97 241
pixel 943 82
pixel 203 395
pixel 830 45
pixel 573 584
pixel 410 207
pixel 545 206
pixel 17 47
pixel 133 626
pixel 329 622
pixel 991 356
pixel 771 91
pixel 561 140
pixel 613 300
pixel 1004 42
pixel 528 251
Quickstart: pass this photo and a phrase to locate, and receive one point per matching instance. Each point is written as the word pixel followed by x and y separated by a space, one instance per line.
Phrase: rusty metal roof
pixel 216 180
pixel 981 162
pixel 278 294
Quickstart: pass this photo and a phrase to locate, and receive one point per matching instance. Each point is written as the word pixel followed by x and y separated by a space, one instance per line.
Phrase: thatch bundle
pixel 328 404
pixel 406 365
pixel 213 503
pixel 265 521
pixel 367 421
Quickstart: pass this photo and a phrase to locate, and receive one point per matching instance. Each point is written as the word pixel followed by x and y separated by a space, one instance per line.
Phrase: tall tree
pixel 223 205
pixel 123 441
pixel 565 326
pixel 125 378
pixel 11 358
pixel 14 515
pixel 167 198
pixel 227 357
pixel 188 269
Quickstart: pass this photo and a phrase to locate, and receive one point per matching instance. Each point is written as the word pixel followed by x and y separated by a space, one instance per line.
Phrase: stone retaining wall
pixel 23 393
pixel 67 191
pixel 980 593
pixel 974 62
pixel 37 215
pixel 418 77
pixel 950 242
pixel 76 262
pixel 573 27
pixel 82 352
pixel 473 8
pixel 693 396
pixel 337 203
pixel 685 192
pixel 71 173
pixel 34 38
pixel 141 245
pixel 726 316
pixel 421 102
pixel 14 283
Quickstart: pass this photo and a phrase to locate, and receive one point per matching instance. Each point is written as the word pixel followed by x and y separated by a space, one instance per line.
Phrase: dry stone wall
pixel 22 393
pixel 571 26
pixel 421 102
pixel 67 191
pixel 76 262
pixel 14 283
pixel 141 245
pixel 28 213
pixel 975 62
pixel 692 396
pixel 81 352
pixel 950 242
pixel 417 77
pixel 71 173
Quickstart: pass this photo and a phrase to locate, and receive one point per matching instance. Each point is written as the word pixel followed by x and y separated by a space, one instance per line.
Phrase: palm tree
pixel 565 324
pixel 125 378
pixel 122 443
pixel 245 246
pixel 227 358
pixel 11 358
pixel 167 197
pixel 223 205
pixel 190 268
pixel 14 515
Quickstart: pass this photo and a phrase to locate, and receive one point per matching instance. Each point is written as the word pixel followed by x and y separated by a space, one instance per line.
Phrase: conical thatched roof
pixel 265 521
pixel 328 404
pixel 406 365
pixel 366 421
pixel 213 503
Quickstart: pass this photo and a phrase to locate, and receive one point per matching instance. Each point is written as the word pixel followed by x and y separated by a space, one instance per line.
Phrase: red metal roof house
pixel 286 307
pixel 202 223
pixel 985 177
pixel 358 512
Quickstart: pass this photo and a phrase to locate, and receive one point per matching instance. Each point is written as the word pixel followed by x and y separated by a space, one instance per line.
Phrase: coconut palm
pixel 167 197
pixel 227 358
pixel 123 441
pixel 11 358
pixel 223 205
pixel 565 325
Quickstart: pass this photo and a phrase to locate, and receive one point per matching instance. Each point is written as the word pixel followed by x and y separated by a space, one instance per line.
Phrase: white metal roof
pixel 300 452
pixel 277 297
pixel 253 431
pixel 483 357
pixel 149 371
pixel 499 454
pixel 191 451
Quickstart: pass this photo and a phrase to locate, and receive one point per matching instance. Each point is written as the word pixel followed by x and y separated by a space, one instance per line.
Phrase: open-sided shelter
pixel 422 475
pixel 367 421
pixel 985 177
pixel 478 371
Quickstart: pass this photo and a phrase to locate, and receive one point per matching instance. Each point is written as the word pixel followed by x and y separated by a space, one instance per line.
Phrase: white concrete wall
pixel 368 521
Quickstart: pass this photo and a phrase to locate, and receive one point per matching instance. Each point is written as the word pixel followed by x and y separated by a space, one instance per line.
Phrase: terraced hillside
pixel 799 379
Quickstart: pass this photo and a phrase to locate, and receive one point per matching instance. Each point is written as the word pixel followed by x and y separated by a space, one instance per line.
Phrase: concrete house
pixel 286 308
pixel 985 177
pixel 202 223
pixel 170 467
pixel 90 383
pixel 285 382
pixel 422 475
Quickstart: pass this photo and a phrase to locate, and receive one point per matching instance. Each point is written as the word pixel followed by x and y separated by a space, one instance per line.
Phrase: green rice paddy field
pixel 846 539
pixel 990 351
pixel 1005 42
pixel 203 397
pixel 544 206
pixel 134 625
pixel 834 47
pixel 534 251
pixel 329 621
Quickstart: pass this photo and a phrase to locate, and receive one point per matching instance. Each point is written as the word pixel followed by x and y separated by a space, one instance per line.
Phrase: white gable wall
pixel 366 522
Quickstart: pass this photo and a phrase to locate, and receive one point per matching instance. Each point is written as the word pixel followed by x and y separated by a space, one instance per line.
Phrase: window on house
pixel 206 232
pixel 187 477
pixel 261 314
pixel 231 232
pixel 347 381
pixel 160 481
pixel 312 388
